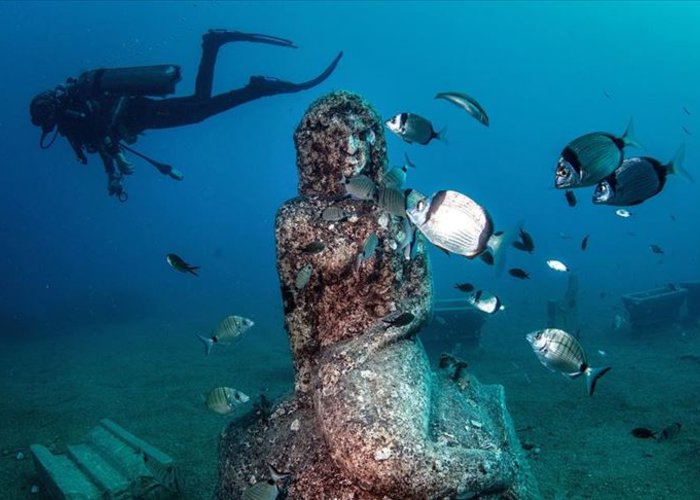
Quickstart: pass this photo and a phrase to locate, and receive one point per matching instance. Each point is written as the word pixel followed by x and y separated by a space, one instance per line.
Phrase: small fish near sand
pixel 414 128
pixel 592 157
pixel 165 474
pixel 561 352
pixel 467 103
pixel 179 264
pixel 228 331
pixel 664 434
pixel 223 400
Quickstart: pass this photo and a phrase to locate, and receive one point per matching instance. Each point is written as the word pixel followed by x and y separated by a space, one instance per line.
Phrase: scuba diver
pixel 103 109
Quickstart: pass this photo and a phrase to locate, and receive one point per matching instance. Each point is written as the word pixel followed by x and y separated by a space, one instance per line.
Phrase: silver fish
pixel 164 472
pixel 452 221
pixel 395 177
pixel 303 276
pixel 367 252
pixel 590 158
pixel 270 489
pixel 264 490
pixel 557 265
pixel 228 330
pixel 485 302
pixel 392 201
pixel 334 214
pixel 360 187
pixel 637 180
pixel 561 352
pixel 223 400
pixel 414 128
pixel 467 103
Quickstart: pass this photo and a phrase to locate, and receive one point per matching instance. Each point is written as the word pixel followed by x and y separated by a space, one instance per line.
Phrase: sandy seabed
pixel 149 377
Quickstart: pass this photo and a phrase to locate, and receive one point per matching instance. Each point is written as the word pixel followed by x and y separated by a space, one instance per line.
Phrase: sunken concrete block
pixel 369 418
pixel 692 299
pixel 656 307
pixel 112 463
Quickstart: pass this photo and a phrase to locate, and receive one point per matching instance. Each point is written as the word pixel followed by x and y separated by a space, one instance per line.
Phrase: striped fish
pixel 303 276
pixel 228 331
pixel 395 177
pixel 637 180
pixel 392 201
pixel 590 158
pixel 334 214
pixel 360 187
pixel 223 400
pixel 451 221
pixel 264 490
pixel 561 352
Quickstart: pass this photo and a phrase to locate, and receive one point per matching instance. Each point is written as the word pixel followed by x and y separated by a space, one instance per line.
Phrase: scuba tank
pixel 136 81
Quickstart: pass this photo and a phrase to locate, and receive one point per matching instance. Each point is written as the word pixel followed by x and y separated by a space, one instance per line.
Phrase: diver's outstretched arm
pixel 264 85
pixel 220 36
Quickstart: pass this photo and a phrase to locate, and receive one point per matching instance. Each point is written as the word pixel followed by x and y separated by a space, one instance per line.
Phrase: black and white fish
pixel 590 158
pixel 360 187
pixel 561 352
pixel 637 180
pixel 414 128
pixel 485 302
pixel 179 264
pixel 455 223
pixel 228 331
pixel 467 103
pixel 269 489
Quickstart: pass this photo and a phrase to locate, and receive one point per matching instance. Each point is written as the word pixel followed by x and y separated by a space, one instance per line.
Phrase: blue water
pixel 72 255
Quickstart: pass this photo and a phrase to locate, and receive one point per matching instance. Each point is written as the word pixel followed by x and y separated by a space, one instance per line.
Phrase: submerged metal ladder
pixel 112 463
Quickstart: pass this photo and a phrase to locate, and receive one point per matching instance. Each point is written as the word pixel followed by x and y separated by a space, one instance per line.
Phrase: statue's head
pixel 340 136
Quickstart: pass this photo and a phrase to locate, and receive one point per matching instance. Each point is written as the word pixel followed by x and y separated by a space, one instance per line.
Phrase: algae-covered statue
pixel 369 419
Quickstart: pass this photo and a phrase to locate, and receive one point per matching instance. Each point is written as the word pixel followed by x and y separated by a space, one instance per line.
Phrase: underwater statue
pixel 369 418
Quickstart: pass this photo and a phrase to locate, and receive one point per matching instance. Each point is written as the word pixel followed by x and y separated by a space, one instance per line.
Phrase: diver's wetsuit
pixel 143 113
pixel 96 118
